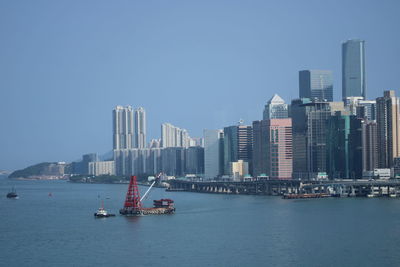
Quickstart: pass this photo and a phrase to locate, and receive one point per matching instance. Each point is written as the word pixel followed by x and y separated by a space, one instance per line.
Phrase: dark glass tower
pixel 353 68
pixel 316 84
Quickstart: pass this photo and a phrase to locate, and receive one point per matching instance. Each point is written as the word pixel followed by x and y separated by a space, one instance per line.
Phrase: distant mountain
pixel 44 168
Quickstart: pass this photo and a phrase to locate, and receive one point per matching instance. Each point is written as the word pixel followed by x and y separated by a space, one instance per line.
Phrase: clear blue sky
pixel 64 65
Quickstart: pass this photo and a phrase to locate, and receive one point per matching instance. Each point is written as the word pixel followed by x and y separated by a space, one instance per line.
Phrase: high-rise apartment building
pixel 388 127
pixel 212 151
pixel 353 68
pixel 172 136
pixel 139 134
pixel 316 84
pixel 276 108
pixel 123 127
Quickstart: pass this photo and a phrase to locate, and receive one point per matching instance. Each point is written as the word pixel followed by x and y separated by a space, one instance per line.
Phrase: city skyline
pixel 74 71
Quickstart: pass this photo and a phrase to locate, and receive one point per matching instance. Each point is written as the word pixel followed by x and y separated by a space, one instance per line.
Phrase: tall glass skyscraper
pixel 316 84
pixel 353 68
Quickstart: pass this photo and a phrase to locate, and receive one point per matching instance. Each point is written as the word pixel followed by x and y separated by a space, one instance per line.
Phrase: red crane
pixel 132 200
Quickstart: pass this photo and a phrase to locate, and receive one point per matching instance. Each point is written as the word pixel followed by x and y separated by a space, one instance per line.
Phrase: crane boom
pixel 148 190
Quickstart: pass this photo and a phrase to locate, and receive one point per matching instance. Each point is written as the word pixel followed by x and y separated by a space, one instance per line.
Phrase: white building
pixel 102 168
pixel 123 127
pixel 139 134
pixel 212 153
pixel 172 136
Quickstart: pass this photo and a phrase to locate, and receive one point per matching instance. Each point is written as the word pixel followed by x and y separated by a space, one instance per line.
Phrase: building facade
pixel 238 145
pixel 388 128
pixel 139 134
pixel 123 126
pixel 369 146
pixel 102 168
pixel 272 150
pixel 212 150
pixel 276 108
pixel 316 84
pixel 353 68
pixel 172 136
pixel 344 146
pixel 309 129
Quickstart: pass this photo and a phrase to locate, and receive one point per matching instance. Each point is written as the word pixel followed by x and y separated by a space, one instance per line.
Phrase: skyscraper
pixel 276 108
pixel 309 122
pixel 316 84
pixel 212 152
pixel 353 68
pixel 369 145
pixel 238 145
pixel 139 135
pixel 123 127
pixel 388 126
pixel 272 150
pixel 344 146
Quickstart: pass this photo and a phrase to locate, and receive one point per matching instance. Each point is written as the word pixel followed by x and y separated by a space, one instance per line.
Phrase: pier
pixel 338 188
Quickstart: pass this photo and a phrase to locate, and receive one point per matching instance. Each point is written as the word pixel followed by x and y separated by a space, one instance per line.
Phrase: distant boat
pixel 12 194
pixel 102 213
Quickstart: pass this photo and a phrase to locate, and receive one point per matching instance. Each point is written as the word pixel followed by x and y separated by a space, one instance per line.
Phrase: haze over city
pixel 65 66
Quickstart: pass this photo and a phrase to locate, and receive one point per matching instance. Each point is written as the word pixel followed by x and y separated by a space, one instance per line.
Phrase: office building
pixel 173 161
pixel 276 108
pixel 309 129
pixel 369 146
pixel 316 84
pixel 194 160
pixel 212 151
pixel 272 150
pixel 344 146
pixel 353 68
pixel 388 128
pixel 238 144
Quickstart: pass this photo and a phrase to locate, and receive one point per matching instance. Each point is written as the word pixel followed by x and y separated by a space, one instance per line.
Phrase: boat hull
pixel 146 211
pixel 103 215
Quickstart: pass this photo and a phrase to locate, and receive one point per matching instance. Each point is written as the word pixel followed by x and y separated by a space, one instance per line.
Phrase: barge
pixel 133 202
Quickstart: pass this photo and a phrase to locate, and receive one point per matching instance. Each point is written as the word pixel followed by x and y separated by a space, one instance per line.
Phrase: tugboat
pixel 12 194
pixel 102 213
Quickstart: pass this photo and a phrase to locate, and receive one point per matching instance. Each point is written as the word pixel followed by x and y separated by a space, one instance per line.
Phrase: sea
pixel 52 224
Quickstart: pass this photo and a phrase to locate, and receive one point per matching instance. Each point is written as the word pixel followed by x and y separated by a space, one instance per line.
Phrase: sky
pixel 64 65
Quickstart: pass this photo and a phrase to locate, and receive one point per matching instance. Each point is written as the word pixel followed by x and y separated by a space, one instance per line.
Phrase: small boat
pixel 102 213
pixel 12 194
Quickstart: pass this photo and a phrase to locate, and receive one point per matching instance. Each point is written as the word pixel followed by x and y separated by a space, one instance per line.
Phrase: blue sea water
pixel 207 229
